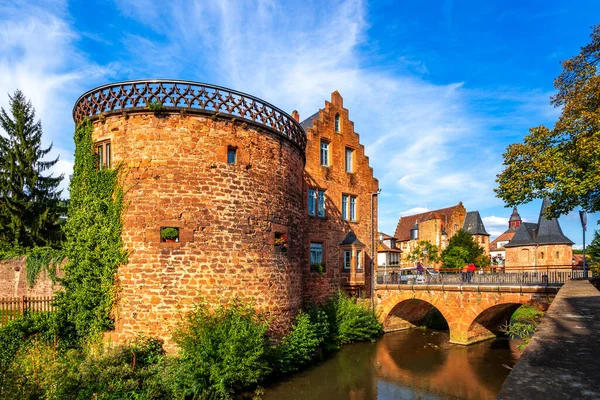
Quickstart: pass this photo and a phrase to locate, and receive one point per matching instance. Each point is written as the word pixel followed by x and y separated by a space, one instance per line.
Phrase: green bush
pixel 169 233
pixel 222 351
pixel 302 344
pixel 351 321
pixel 132 371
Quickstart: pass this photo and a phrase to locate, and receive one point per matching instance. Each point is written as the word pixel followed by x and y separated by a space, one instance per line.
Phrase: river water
pixel 411 364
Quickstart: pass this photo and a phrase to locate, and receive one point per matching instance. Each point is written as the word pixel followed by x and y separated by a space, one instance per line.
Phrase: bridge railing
pixel 508 276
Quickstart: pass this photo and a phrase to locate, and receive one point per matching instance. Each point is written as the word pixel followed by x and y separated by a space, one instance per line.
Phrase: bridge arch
pixel 471 316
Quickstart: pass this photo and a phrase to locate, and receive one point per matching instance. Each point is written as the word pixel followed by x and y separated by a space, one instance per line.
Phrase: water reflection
pixel 412 364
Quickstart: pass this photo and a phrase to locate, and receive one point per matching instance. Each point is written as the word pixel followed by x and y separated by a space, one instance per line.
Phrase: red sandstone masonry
pixel 331 230
pixel 13 281
pixel 176 174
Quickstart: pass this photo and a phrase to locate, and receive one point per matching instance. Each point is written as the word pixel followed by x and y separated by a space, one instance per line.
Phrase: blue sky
pixel 437 89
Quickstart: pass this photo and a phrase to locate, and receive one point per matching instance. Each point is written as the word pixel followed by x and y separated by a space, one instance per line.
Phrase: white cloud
pixel 38 56
pixel 430 144
pixel 414 211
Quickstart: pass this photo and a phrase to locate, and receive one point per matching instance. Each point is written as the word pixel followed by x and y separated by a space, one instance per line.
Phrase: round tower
pixel 224 170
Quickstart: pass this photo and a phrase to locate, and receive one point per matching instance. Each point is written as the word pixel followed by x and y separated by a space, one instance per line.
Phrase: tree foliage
pixel 30 205
pixel 592 251
pixel 425 252
pixel 461 250
pixel 562 163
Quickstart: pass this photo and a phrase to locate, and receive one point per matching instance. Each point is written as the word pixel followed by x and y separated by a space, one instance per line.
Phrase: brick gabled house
pixel 341 198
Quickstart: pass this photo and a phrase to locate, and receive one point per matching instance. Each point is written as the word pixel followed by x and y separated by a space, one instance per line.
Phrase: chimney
pixel 296 116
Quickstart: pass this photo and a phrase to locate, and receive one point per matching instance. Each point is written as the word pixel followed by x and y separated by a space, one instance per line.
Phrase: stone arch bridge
pixel 473 312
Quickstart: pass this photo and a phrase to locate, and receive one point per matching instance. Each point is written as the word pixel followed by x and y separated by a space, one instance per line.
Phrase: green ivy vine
pixel 43 259
pixel 93 246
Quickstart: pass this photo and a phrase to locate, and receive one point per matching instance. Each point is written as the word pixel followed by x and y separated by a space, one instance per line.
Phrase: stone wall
pixel 332 229
pixel 176 174
pixel 13 281
pixel 547 255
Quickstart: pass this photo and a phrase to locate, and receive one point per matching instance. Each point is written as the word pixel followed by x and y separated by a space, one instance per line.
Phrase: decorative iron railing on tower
pixel 193 97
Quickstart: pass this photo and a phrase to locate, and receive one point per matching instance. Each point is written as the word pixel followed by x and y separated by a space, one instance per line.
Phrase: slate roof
pixel 385 236
pixel 473 224
pixel 351 239
pixel 406 223
pixel 308 122
pixel 546 231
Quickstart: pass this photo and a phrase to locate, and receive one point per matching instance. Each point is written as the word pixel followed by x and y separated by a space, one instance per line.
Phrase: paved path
pixel 562 361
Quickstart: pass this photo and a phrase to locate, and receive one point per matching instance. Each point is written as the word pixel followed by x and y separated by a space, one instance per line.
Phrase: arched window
pixel 337 123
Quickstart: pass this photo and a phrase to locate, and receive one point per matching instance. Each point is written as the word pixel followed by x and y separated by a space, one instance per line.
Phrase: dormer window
pixel 337 123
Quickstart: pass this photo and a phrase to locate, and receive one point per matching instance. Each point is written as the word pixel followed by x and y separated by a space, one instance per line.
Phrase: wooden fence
pixel 13 307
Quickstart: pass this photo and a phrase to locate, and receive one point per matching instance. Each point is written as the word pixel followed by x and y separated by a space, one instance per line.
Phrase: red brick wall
pixel 334 179
pixel 176 174
pixel 13 281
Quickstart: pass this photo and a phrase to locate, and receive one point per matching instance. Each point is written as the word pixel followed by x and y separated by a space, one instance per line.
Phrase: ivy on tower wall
pixel 93 246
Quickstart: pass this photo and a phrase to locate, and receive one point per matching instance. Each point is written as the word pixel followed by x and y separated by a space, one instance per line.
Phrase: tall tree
pixel 30 205
pixel 562 163
pixel 461 250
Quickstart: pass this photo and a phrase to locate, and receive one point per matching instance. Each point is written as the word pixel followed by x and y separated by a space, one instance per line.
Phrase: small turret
pixel 414 232
pixel 515 220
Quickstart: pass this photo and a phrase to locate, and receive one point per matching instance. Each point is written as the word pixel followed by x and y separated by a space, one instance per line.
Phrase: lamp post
pixel 583 218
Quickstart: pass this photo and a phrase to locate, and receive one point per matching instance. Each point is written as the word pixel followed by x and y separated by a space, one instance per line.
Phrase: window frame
pixel 103 149
pixel 232 150
pixel 316 201
pixel 352 209
pixel 322 249
pixel 312 201
pixel 359 260
pixel 325 153
pixel 349 166
pixel 320 203
pixel 337 123
pixel 347 261
pixel 348 208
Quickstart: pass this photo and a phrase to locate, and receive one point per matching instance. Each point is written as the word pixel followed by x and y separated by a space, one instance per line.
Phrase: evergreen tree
pixel 30 204
pixel 461 250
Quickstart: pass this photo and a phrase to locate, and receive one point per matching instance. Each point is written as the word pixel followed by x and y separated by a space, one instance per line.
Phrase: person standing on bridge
pixel 470 271
pixel 420 268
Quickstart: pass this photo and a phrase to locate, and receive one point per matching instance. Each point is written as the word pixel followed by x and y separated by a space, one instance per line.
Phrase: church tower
pixel 515 220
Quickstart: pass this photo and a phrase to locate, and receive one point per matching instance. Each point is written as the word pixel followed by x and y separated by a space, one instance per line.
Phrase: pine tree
pixel 30 205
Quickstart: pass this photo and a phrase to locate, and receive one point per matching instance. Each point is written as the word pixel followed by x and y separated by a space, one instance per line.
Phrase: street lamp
pixel 583 218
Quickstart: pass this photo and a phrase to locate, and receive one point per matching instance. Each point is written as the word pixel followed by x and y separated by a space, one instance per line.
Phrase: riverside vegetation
pixel 222 351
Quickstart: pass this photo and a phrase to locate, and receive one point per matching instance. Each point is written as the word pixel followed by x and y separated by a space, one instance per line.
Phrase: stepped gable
pixel 407 222
pixel 546 231
pixel 474 225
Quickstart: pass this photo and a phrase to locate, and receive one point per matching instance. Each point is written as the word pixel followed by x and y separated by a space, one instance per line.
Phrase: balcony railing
pixel 513 276
pixel 177 96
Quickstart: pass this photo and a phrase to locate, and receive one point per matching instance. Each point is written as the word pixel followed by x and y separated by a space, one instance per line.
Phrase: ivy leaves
pixel 93 246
